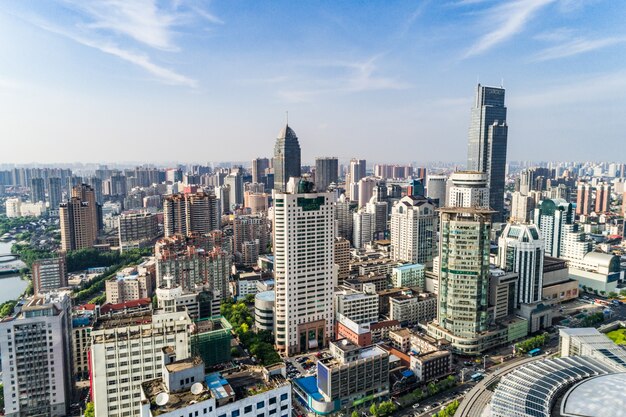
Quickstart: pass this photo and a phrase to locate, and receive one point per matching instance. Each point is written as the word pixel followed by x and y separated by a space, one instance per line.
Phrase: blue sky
pixel 390 81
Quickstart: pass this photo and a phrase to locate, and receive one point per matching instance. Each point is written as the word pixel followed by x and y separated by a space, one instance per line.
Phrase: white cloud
pixel 163 74
pixel 510 19
pixel 576 47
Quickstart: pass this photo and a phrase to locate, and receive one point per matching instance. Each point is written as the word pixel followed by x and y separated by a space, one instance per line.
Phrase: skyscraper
pixel 436 189
pixel 520 249
pixel 326 172
pixel 304 268
pixel 37 190
pixel 469 189
pixel 87 194
pixel 413 230
pixel 583 198
pixel 488 142
pixel 286 158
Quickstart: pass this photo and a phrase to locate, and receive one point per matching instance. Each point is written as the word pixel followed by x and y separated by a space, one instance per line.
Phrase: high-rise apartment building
pixel 583 198
pixel 521 250
pixel 286 158
pixel 488 143
pixel 77 229
pixel 468 189
pixel 49 274
pixel 380 216
pixel 94 213
pixel 363 224
pixel 37 190
pixel 137 229
pixel 250 228
pixel 190 213
pixel 522 206
pixel 413 230
pixel 55 194
pixel 304 267
pixel 357 170
pixel 344 217
pixel 36 357
pixel 128 350
pixel 552 216
pixel 326 172
pixel 342 258
pixel 235 181
pixel 603 198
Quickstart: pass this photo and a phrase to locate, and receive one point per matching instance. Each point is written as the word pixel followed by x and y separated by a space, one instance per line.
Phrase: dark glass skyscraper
pixel 487 143
pixel 326 172
pixel 286 158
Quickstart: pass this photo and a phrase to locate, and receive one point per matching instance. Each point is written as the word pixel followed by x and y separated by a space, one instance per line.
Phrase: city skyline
pixel 132 81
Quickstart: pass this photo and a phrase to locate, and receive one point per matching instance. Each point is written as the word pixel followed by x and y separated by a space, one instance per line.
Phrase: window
pixel 235 413
pixel 284 396
pixel 247 409
pixel 260 404
pixel 273 400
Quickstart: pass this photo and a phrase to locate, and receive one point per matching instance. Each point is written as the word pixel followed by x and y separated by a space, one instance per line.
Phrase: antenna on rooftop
pixel 162 398
pixel 197 388
pixel 287 116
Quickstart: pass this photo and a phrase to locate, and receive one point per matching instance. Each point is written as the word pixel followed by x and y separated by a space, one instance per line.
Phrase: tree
pixel 622 293
pixel 354 414
pixel 90 410
pixel 373 410
pixel 612 294
pixel 602 292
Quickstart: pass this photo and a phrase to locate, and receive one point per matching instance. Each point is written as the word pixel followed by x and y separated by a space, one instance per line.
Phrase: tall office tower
pixel 344 217
pixel 463 300
pixel 190 213
pixel 413 230
pixel 77 231
pixel 436 189
pixel 362 228
pixel 487 143
pixel 520 250
pixel 304 267
pixel 380 212
pixel 250 228
pixel 603 198
pixel 286 160
pixel 326 172
pixel 259 165
pixel 37 190
pixel 137 229
pixel 36 357
pixel 125 352
pixel 552 216
pixel 366 190
pixel 55 194
pixel 49 274
pixel 235 181
pixel 468 189
pixel 87 194
pixel 583 198
pixel 522 206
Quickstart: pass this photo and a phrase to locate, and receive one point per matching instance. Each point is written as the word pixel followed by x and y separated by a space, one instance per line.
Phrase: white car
pixel 416 406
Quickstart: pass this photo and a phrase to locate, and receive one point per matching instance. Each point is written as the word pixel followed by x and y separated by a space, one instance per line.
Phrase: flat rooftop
pixel 183 364
pixel 112 322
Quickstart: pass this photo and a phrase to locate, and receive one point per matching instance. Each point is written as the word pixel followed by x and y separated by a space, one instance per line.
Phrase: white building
pixel 468 189
pixel 520 250
pixel 409 275
pixel 128 350
pixel 13 207
pixel 363 224
pixel 412 308
pixel 36 357
pixel 304 267
pixel 436 189
pixel 360 307
pixel 413 230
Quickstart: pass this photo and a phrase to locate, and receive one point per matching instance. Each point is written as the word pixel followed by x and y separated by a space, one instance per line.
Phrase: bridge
pixel 8 257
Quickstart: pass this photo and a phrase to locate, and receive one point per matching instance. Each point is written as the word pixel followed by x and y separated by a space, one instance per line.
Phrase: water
pixel 11 286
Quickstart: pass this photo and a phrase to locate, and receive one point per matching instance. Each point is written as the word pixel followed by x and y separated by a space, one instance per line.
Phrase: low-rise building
pixel 432 365
pixel 401 339
pixel 361 307
pixel 350 377
pixel 358 334
pixel 49 274
pixel 264 310
pixel 411 308
pixel 129 284
pixel 409 275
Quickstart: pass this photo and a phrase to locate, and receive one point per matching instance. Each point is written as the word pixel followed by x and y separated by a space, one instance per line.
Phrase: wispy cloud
pixel 163 74
pixel 140 20
pixel 345 78
pixel 576 47
pixel 510 19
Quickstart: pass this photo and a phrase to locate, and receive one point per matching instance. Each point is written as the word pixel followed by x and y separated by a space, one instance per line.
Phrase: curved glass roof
pixel 530 390
pixel 596 397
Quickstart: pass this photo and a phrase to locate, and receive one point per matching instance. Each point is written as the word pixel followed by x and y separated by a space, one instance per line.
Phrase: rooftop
pixel 183 364
pixel 595 397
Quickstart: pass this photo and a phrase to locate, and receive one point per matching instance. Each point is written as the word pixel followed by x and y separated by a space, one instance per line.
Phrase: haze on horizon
pixel 98 81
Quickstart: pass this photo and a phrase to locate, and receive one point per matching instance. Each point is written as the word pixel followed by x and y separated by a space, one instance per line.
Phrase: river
pixel 11 286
